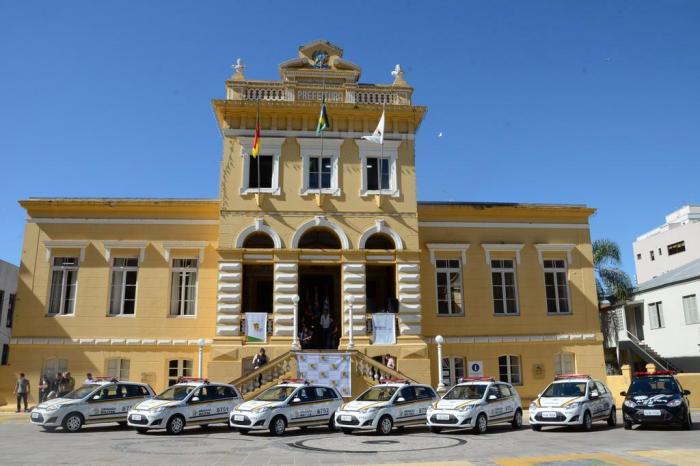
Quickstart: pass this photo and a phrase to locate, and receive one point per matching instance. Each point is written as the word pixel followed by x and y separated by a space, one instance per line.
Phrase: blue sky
pixel 594 102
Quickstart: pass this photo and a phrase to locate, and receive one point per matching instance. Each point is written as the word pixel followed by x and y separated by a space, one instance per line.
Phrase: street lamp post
pixel 351 302
pixel 296 345
pixel 441 385
pixel 200 356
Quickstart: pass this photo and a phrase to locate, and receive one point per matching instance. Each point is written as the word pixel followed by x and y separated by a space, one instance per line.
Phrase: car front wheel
pixel 587 423
pixel 175 425
pixel 278 426
pixel 517 419
pixel 385 425
pixel 481 425
pixel 612 419
pixel 72 422
pixel 688 423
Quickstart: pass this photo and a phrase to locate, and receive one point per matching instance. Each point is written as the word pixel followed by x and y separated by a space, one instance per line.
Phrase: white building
pixel 672 245
pixel 8 290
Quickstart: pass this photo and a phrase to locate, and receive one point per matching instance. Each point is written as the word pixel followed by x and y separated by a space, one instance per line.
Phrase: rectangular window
pixel 449 287
pixel 2 303
pixel 676 248
pixel 639 256
pixel 656 315
pixel 10 310
pixel 123 291
pixel 564 363
pixel 690 309
pixel 651 254
pixel 320 169
pixel 5 355
pixel 262 165
pixel 183 292
pixel 505 299
pixel 377 171
pixel 509 369
pixel 452 370
pixel 64 281
pixel 178 368
pixel 556 287
pixel 118 368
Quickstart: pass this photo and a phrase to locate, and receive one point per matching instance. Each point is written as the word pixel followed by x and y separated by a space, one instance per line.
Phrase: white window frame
pixel 180 370
pixel 502 271
pixel 123 270
pixel 448 270
pixel 182 270
pixel 452 378
pixel 509 368
pixel 270 146
pixel 554 270
pixel 314 147
pixel 391 153
pixel 63 269
pixel 691 298
pixel 559 363
pixel 658 312
pixel 58 365
pixel 122 364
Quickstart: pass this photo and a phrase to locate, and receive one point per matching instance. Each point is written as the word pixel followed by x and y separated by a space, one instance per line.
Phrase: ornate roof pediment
pixel 318 58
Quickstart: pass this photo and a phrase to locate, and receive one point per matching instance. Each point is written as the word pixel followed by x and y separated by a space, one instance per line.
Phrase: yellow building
pixel 138 287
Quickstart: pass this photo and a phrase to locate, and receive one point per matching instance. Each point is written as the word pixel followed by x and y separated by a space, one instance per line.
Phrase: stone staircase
pixel 647 353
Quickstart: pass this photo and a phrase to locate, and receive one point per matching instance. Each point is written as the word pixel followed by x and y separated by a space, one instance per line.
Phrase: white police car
pixel 573 400
pixel 105 400
pixel 474 403
pixel 394 402
pixel 191 401
pixel 292 403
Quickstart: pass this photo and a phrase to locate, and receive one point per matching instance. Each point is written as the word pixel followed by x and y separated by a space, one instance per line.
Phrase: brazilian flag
pixel 324 122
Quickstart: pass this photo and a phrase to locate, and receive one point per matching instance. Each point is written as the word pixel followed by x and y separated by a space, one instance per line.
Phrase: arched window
pixel 258 240
pixel 380 241
pixel 319 238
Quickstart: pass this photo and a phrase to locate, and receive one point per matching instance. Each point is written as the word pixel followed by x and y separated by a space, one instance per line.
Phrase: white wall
pixel 676 338
pixel 647 269
pixel 8 284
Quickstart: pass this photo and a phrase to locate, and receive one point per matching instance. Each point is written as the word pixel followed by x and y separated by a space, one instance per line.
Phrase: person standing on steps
pixel 22 391
pixel 260 360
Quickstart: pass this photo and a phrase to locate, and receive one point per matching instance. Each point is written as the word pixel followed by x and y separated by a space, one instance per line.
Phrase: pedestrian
pixel 260 359
pixel 44 388
pixel 70 383
pixel 326 326
pixel 22 391
pixel 88 379
pixel 390 361
pixel 306 337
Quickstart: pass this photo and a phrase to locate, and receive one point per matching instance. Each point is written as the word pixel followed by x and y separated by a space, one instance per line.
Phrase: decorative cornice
pixel 552 247
pixel 65 244
pixel 124 244
pixel 489 248
pixel 461 247
pixel 170 245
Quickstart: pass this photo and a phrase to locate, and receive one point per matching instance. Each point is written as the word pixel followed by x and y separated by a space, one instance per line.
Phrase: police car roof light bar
pixel 480 378
pixel 304 381
pixel 651 374
pixel 572 376
pixel 108 378
pixel 192 379
pixel 394 380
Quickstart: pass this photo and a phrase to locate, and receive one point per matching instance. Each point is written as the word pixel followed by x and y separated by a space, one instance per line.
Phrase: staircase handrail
pixel 665 364
pixel 379 367
pixel 262 369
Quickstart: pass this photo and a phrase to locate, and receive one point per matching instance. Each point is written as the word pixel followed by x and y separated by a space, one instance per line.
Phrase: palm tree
pixel 613 283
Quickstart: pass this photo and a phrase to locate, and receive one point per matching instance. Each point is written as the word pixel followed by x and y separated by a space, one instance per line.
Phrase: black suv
pixel 656 398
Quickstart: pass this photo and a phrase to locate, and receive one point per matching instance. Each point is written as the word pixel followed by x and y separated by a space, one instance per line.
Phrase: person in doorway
pixel 22 391
pixel 390 361
pixel 306 337
pixel 44 388
pixel 88 379
pixel 326 327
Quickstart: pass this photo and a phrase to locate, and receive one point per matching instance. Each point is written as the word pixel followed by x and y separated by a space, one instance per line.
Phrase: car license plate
pixel 238 417
pixel 136 417
pixel 652 412
pixel 443 417
pixel 35 415
pixel 549 414
pixel 346 418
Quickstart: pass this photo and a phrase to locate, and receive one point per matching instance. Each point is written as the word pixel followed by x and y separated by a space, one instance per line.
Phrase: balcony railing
pixel 290 92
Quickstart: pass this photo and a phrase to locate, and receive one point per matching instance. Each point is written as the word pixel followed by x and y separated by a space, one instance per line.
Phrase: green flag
pixel 324 122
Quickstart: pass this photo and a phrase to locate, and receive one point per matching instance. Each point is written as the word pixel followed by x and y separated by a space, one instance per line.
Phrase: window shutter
pixel 660 311
pixel 690 309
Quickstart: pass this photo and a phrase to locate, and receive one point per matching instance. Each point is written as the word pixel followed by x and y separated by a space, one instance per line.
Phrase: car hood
pixel 558 401
pixel 456 404
pixel 652 400
pixel 57 401
pixel 152 404
pixel 255 404
pixel 362 405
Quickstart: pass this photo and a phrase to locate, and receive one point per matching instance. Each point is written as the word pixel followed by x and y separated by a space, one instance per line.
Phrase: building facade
pixel 139 287
pixel 669 246
pixel 8 293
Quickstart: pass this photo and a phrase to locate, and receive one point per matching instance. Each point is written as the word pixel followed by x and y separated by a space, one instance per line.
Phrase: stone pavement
pixel 24 443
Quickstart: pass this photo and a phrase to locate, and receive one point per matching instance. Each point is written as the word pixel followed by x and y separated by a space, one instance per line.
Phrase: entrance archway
pixel 319 290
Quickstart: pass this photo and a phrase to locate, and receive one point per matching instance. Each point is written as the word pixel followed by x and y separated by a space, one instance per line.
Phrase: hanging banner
pixel 384 325
pixel 256 327
pixel 332 369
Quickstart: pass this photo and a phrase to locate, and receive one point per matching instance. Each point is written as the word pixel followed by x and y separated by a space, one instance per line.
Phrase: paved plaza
pixel 24 443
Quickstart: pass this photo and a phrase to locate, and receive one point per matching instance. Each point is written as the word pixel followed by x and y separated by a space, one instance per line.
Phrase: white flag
pixel 378 136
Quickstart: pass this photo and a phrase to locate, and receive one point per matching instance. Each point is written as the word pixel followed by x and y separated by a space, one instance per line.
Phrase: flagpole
pixel 257 157
pixel 320 165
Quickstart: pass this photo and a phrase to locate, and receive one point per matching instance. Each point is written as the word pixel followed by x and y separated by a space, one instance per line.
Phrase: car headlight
pixel 630 404
pixel 261 409
pixel 466 408
pixel 573 406
pixel 54 407
pixel 533 406
pixel 370 410
pixel 674 403
pixel 158 409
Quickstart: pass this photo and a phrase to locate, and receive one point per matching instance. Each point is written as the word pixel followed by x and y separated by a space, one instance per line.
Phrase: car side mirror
pixel 194 399
pixel 492 397
pixel 623 393
pixel 595 394
pixel 400 399
pixel 296 400
pixel 96 397
pixel 686 392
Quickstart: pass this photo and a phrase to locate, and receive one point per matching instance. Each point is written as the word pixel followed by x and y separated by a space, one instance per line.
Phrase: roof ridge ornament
pixel 398 74
pixel 238 69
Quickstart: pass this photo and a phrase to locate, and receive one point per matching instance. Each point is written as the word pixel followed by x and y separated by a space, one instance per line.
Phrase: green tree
pixel 612 283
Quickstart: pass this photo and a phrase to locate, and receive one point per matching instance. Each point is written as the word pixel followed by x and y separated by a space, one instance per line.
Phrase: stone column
pixel 409 298
pixel 228 309
pixel 286 278
pixel 354 284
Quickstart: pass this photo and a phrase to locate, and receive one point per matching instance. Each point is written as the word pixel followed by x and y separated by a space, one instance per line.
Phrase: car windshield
pixel 276 394
pixel 566 389
pixel 176 393
pixel 82 392
pixel 378 394
pixel 653 386
pixel 466 392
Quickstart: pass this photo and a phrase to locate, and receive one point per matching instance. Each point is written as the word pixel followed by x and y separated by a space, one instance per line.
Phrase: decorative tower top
pixel 238 69
pixel 398 75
